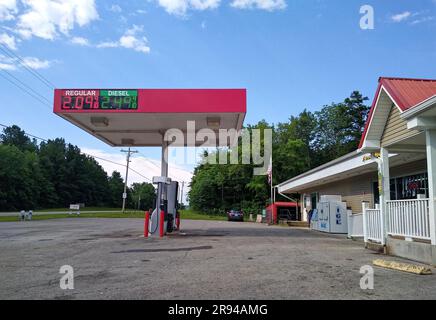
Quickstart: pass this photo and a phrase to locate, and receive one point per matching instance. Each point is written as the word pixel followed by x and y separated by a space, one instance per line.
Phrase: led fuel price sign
pixel 99 99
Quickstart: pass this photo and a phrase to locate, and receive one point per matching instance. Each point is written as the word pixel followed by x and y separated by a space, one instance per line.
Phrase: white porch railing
pixel 408 218
pixel 373 225
pixel 355 225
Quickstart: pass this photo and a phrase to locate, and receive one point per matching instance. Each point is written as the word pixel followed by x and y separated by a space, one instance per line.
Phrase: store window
pixel 314 200
pixel 307 203
pixel 375 192
pixel 409 187
pixel 404 188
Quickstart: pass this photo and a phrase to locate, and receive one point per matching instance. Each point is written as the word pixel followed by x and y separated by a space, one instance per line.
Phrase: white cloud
pixel 109 44
pixel 130 40
pixel 134 30
pixel 401 16
pixel 46 18
pixel 180 7
pixel 80 41
pixel 115 8
pixel 8 41
pixel 412 18
pixel 8 9
pixel 36 63
pixel 6 66
pixel 268 5
pixel 422 20
pixel 7 63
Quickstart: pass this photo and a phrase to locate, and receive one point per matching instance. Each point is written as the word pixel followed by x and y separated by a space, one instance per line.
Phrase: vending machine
pixel 332 215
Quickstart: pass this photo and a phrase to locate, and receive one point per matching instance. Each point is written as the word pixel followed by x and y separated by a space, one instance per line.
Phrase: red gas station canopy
pixel 139 117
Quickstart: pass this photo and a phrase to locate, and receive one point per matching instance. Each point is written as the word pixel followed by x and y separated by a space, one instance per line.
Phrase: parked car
pixel 235 215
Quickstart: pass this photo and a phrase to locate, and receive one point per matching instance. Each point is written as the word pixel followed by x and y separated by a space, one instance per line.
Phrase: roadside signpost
pixel 75 208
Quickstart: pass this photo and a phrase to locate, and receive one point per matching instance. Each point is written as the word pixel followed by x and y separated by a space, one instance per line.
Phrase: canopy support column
pixel 385 190
pixel 164 158
pixel 431 168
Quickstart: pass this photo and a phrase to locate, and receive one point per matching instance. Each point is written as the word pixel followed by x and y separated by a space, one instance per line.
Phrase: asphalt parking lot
pixel 209 260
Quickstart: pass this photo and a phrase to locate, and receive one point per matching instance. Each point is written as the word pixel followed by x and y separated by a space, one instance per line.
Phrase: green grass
pixel 193 215
pixel 81 210
pixel 185 214
pixel 128 214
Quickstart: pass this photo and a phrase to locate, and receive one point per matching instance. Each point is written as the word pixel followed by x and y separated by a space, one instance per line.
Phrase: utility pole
pixel 129 153
pixel 181 197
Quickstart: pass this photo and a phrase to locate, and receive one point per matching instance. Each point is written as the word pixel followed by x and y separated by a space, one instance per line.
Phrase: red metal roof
pixel 406 93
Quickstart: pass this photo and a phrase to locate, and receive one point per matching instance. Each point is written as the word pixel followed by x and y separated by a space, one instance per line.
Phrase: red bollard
pixel 178 220
pixel 146 223
pixel 161 223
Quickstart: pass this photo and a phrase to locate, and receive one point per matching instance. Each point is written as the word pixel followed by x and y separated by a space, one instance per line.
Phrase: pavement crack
pixel 164 250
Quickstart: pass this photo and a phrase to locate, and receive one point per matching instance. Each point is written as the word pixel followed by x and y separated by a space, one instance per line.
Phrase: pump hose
pixel 154 213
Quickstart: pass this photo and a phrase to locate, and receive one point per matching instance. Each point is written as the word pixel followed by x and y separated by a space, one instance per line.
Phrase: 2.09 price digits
pixel 79 102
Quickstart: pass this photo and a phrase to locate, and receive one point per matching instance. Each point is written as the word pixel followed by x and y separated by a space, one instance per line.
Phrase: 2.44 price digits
pixel 115 102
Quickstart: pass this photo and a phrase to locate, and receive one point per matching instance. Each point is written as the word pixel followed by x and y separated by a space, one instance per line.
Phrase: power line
pixel 35 73
pixel 140 174
pixel 40 98
pixel 27 86
pixel 25 90
pixel 154 164
pixel 27 134
pixel 22 85
pixel 86 154
pixel 158 167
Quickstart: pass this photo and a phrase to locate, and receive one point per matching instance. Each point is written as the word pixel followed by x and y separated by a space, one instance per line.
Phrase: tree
pixel 52 155
pixel 116 189
pixel 14 136
pixel 357 113
pixel 217 188
pixel 22 184
pixel 76 178
pixel 53 174
pixel 142 196
pixel 301 127
pixel 56 174
pixel 339 128
pixel 302 143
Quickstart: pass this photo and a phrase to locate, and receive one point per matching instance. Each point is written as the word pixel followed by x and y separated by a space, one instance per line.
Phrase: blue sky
pixel 288 54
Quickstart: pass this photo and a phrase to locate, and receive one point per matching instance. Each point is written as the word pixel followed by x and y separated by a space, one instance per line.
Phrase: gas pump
pixel 172 205
pixel 164 215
